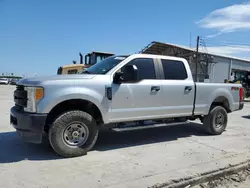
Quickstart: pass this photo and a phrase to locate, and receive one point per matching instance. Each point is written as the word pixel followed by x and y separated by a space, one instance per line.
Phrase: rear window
pixel 174 70
pixel 73 71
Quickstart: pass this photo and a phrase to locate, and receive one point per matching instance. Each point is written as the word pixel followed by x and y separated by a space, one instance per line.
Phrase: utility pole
pixel 190 40
pixel 197 58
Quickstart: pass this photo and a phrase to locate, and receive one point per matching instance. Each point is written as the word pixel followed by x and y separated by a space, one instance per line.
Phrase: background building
pixel 211 67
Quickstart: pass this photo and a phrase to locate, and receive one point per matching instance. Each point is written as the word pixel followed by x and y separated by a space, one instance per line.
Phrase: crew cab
pixel 121 93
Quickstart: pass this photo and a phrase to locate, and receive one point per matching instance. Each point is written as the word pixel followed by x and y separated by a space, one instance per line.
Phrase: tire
pixel 64 131
pixel 213 125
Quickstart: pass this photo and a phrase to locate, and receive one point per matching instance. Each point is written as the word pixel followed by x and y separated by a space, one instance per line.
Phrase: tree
pixel 2 74
pixel 12 74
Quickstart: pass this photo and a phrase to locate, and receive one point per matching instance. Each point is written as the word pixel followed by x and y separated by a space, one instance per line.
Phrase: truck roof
pixel 159 56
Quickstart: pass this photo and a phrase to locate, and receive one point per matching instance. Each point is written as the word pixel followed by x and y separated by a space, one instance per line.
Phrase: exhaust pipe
pixel 81 58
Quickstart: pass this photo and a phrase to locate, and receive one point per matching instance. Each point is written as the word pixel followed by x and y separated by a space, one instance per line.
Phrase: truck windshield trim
pixel 105 65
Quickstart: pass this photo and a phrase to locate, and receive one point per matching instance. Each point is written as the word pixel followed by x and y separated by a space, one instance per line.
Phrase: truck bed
pixel 206 93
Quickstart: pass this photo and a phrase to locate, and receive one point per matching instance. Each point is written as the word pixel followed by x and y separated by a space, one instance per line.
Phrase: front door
pixel 140 100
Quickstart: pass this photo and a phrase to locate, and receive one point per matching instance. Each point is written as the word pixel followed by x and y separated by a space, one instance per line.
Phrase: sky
pixel 36 37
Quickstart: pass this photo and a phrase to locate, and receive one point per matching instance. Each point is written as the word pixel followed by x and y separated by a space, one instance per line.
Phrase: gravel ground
pixel 130 159
pixel 239 180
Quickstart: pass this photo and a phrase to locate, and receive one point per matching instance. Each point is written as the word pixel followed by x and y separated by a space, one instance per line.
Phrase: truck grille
pixel 20 97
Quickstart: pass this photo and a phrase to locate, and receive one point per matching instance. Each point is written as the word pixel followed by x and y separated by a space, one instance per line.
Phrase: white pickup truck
pixel 122 93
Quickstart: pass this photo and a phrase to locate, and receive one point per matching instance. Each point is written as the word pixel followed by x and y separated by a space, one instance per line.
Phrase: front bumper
pixel 29 126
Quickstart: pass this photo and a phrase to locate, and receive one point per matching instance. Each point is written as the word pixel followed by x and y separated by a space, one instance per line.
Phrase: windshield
pixel 105 65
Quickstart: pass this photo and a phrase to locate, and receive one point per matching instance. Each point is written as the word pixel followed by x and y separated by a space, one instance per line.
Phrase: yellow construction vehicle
pixel 71 69
pixel 90 59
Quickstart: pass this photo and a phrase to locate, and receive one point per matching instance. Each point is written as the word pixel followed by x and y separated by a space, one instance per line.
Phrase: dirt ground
pixel 238 180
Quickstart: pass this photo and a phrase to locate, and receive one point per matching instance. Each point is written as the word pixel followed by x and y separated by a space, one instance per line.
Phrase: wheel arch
pixel 221 101
pixel 74 104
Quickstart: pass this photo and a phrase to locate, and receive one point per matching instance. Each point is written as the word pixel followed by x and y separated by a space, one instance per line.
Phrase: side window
pixel 174 70
pixel 145 67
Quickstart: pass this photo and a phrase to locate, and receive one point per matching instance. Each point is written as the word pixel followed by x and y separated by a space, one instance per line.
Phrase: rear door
pixel 140 100
pixel 178 88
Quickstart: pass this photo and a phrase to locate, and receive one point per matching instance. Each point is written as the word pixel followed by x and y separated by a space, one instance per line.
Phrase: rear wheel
pixel 216 121
pixel 73 134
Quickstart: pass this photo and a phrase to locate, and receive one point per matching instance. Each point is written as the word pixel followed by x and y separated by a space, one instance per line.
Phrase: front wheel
pixel 73 133
pixel 216 121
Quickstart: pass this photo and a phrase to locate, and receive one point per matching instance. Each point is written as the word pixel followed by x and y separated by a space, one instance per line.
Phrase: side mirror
pixel 129 74
pixel 118 78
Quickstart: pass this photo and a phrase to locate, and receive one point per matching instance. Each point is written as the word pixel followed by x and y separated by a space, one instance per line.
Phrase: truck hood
pixel 34 81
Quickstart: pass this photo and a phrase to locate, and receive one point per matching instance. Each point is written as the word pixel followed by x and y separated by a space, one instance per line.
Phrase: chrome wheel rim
pixel 75 134
pixel 219 120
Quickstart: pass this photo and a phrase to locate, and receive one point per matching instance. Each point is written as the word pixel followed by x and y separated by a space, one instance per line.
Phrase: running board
pixel 121 129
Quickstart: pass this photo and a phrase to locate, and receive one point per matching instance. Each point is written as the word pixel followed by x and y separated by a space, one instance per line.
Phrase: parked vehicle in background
pixel 13 81
pixel 122 93
pixel 4 81
pixel 244 79
pixel 71 69
pixel 90 59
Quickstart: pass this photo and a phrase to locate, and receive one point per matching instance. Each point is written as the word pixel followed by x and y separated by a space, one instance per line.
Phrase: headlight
pixel 34 95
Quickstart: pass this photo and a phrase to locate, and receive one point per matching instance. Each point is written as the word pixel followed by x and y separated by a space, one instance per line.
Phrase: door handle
pixel 188 88
pixel 155 88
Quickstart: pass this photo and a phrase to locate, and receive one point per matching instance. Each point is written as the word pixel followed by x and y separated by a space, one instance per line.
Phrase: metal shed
pixel 211 67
